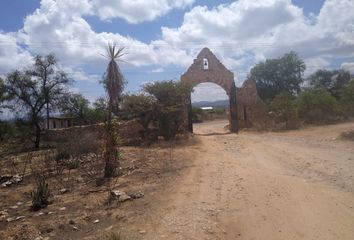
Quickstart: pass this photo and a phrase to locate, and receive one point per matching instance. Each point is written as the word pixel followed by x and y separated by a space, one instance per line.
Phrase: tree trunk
pixel 47 108
pixel 38 135
pixel 110 155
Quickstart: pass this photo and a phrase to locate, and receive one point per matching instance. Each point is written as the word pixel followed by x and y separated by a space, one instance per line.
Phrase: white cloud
pixel 240 34
pixel 157 70
pixel 12 55
pixel 313 64
pixel 136 11
pixel 59 27
pixel 79 74
pixel 239 26
pixel 348 66
pixel 208 92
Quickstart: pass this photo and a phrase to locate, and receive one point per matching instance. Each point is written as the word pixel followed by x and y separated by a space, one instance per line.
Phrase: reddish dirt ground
pixel 286 185
pixel 290 185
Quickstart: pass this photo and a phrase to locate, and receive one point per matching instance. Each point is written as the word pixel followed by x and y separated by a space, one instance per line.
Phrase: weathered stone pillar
pixel 233 110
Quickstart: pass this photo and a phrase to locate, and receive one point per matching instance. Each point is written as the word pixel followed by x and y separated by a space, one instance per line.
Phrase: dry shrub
pixel 41 169
pixel 78 145
pixel 41 194
pixel 84 152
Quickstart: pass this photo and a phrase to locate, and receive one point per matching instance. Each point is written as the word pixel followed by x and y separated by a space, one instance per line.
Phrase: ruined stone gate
pixel 247 110
pixel 207 68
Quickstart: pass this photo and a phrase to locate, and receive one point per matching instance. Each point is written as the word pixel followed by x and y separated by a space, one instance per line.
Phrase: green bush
pixel 347 99
pixel 145 109
pixel 7 130
pixel 318 106
pixel 330 80
pixel 172 98
pixel 197 115
pixel 284 109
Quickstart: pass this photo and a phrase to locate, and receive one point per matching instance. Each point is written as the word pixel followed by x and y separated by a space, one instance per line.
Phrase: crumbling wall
pixel 129 132
pixel 251 110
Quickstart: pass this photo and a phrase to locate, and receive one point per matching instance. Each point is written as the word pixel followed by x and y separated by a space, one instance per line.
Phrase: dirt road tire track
pixel 262 186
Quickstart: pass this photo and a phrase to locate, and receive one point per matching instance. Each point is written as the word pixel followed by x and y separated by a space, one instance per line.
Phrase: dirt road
pixel 293 185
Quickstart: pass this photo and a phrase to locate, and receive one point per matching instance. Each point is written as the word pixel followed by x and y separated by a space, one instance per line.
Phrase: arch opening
pixel 210 109
pixel 206 68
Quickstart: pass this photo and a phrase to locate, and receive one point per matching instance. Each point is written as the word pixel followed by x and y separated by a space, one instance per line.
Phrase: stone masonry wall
pixel 251 110
pixel 129 132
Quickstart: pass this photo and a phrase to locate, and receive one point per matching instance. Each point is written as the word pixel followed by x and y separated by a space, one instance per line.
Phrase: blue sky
pixel 163 36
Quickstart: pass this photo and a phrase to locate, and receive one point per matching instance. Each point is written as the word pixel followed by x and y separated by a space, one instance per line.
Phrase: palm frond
pixel 114 80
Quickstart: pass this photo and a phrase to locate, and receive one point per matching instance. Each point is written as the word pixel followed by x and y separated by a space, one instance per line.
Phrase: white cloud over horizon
pixel 137 11
pixel 348 66
pixel 241 34
pixel 208 92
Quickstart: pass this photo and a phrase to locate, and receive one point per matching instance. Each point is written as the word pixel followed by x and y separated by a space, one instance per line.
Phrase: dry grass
pixel 146 169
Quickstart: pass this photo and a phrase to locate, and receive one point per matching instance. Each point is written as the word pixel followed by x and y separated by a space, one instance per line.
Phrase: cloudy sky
pixel 161 37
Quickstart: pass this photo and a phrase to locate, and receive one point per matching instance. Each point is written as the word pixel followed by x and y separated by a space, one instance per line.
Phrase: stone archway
pixel 207 68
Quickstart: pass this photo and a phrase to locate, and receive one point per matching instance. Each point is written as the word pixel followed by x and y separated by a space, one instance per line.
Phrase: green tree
pixel 347 98
pixel 143 108
pixel 53 80
pixel 75 105
pixel 197 115
pixel 98 113
pixel 100 104
pixel 284 108
pixel 274 76
pixel 332 81
pixel 27 94
pixel 318 106
pixel 7 130
pixel 36 90
pixel 172 98
pixel 114 84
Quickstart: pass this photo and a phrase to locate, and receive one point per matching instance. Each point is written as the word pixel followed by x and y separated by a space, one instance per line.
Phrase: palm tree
pixel 114 84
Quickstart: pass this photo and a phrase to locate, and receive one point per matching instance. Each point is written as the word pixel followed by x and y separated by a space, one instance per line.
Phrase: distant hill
pixel 219 103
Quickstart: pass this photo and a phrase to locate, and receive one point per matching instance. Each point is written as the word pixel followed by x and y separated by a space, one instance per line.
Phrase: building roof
pixel 61 118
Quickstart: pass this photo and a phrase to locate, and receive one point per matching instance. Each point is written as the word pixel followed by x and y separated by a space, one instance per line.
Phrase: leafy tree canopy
pixel 169 93
pixel 140 106
pixel 74 105
pixel 27 93
pixel 347 98
pixel 284 74
pixel 53 80
pixel 331 81
pixel 318 106
pixel 35 90
pixel 172 97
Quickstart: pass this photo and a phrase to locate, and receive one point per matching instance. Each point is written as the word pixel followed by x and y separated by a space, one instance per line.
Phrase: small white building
pixel 60 122
pixel 206 108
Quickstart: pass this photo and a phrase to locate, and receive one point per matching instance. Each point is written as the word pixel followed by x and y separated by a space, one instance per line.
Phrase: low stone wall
pixel 129 132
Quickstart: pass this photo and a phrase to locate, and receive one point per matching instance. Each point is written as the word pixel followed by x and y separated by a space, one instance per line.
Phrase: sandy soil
pixel 291 185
